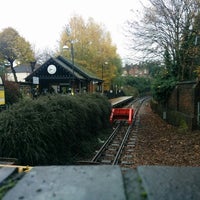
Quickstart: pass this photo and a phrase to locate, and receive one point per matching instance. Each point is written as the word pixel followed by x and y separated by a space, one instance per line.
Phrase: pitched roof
pixel 68 68
pixel 21 69
pixel 77 71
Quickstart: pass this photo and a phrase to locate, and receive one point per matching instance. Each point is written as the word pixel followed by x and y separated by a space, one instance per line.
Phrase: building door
pixel 65 88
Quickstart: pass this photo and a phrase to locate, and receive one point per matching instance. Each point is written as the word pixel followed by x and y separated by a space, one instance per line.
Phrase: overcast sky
pixel 41 21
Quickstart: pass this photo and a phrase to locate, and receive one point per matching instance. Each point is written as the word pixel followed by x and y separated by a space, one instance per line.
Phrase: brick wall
pixel 183 97
pixel 173 100
pixel 183 100
pixel 186 99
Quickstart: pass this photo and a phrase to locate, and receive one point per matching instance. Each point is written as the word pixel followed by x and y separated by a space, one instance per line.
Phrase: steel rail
pixel 98 155
pixel 119 152
pixel 123 141
pixel 117 157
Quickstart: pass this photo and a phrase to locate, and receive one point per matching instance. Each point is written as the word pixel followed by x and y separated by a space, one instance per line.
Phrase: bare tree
pixel 163 28
pixel 44 55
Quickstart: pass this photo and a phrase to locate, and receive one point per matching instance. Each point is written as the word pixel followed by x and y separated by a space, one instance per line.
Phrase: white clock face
pixel 51 69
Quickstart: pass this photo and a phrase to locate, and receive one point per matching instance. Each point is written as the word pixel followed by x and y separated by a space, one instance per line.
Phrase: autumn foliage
pixel 92 48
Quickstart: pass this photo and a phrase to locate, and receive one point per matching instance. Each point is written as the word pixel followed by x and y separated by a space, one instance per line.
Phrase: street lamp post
pixel 72 59
pixel 72 51
pixel 102 76
pixel 65 47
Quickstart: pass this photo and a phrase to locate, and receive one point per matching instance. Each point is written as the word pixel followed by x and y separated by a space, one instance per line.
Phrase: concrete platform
pixel 70 183
pixel 108 183
pixel 120 101
pixel 5 172
pixel 166 183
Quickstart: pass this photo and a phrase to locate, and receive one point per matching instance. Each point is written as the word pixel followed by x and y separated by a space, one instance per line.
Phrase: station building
pixel 58 75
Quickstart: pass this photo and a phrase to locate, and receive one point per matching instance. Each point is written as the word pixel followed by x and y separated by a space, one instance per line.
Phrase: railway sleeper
pixel 128 156
pixel 115 144
pixel 108 155
pixel 106 161
pixel 110 149
pixel 130 150
pixel 130 145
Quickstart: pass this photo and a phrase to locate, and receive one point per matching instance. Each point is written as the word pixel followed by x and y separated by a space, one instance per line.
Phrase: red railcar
pixel 122 114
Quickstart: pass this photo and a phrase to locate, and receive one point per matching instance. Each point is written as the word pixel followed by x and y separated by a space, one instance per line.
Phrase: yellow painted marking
pixel 20 168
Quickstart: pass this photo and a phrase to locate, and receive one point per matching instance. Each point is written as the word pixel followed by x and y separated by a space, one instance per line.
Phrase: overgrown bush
pixel 52 129
pixel 12 92
pixel 162 86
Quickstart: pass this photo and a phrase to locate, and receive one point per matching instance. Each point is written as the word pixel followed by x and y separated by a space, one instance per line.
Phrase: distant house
pixel 22 71
pixel 135 71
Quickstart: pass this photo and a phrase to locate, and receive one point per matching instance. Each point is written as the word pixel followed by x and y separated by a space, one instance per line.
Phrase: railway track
pixel 118 148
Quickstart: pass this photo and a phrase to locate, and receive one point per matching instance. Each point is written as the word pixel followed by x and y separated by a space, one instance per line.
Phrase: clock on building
pixel 51 69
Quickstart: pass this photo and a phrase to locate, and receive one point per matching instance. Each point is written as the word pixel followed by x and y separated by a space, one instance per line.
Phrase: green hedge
pixel 52 129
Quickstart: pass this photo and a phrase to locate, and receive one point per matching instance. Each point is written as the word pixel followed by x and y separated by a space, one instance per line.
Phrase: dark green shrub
pixel 52 129
pixel 12 92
